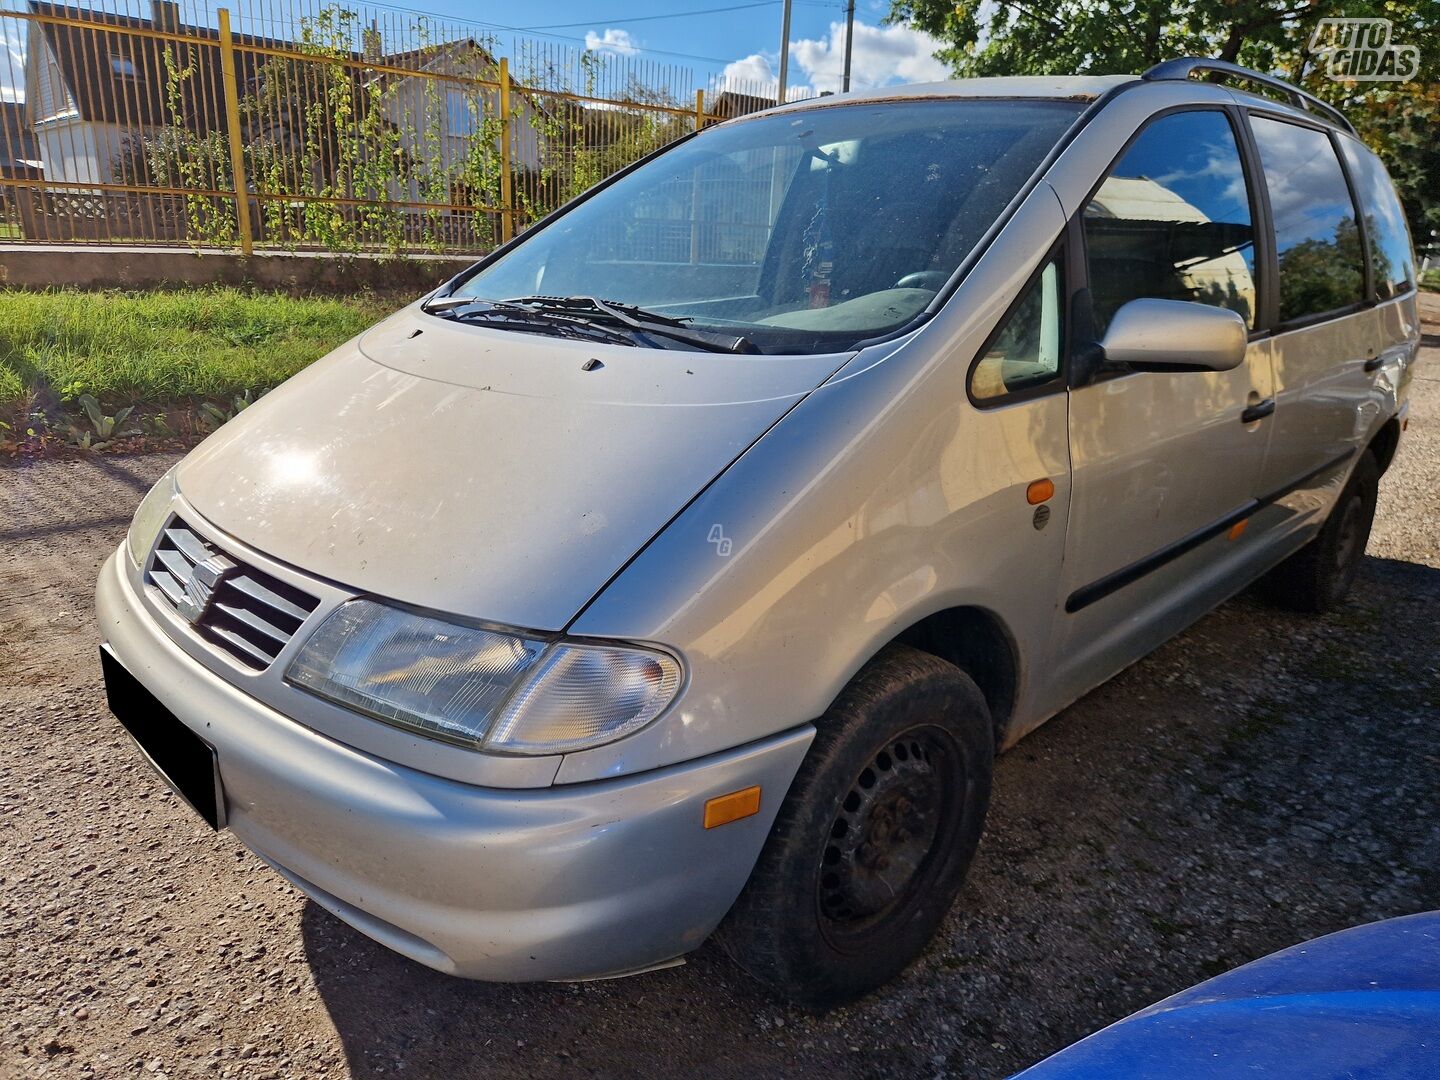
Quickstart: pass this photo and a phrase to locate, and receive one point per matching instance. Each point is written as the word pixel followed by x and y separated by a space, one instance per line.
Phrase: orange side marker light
pixel 1039 491
pixel 724 809
pixel 1238 529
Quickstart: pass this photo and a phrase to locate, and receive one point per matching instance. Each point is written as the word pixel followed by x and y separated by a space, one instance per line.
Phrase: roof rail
pixel 1186 67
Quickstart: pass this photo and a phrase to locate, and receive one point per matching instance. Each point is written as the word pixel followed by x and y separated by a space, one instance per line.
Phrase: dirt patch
pixel 1261 779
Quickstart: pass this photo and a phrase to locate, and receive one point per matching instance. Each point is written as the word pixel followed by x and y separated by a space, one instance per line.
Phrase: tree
pixel 1103 37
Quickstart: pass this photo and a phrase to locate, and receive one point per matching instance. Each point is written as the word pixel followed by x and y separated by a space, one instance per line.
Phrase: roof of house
pixel 117 76
pixel 425 58
pixel 18 145
pixel 733 103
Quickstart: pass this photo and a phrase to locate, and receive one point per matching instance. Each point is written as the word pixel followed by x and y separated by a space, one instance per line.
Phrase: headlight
pixel 482 688
pixel 585 695
pixel 150 518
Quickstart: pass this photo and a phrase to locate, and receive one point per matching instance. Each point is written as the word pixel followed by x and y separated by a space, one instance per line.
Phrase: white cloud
pixel 756 74
pixel 749 73
pixel 882 55
pixel 12 67
pixel 612 40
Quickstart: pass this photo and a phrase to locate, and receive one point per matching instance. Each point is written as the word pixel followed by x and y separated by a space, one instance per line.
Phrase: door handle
pixel 1258 411
pixel 1375 363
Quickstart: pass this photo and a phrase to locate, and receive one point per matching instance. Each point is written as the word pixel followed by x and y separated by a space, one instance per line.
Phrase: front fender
pixel 881 498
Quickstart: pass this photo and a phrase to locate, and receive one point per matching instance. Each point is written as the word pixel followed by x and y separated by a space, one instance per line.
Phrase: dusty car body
pixel 756 527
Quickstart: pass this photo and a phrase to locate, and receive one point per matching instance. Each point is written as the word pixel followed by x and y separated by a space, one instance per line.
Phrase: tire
pixel 875 836
pixel 1316 578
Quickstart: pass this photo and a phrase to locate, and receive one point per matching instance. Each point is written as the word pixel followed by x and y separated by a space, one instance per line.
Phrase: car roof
pixel 1252 100
pixel 1073 87
pixel 1039 87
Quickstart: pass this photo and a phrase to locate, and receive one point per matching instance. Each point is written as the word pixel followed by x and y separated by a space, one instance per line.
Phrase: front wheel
pixel 1317 577
pixel 874 838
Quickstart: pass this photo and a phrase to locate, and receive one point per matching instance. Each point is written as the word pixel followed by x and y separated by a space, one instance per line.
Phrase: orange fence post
pixel 507 184
pixel 237 142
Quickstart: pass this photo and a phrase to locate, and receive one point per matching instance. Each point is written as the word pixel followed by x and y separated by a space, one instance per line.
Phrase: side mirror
pixel 1175 335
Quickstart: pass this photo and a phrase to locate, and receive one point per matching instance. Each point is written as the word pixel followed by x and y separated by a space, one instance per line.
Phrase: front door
pixel 1162 463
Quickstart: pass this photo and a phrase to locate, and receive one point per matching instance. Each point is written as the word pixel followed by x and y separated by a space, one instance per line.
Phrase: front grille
pixel 232 605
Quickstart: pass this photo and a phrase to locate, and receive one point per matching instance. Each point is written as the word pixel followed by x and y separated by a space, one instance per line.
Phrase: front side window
pixel 1322 265
pixel 1392 260
pixel 1172 220
pixel 802 232
pixel 1025 354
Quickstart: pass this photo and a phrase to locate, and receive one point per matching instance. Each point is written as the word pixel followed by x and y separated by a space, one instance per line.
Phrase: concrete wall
pixel 145 268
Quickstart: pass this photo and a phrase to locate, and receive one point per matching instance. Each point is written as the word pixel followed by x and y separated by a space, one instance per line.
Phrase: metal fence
pixel 323 127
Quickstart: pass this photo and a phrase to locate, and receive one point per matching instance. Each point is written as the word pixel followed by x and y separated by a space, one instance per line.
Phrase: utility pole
pixel 849 38
pixel 784 52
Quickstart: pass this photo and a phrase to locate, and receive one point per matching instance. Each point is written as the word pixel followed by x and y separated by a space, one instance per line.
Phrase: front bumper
pixel 556 883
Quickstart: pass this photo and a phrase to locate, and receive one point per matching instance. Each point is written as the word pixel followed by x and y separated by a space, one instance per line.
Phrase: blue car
pixel 1361 1004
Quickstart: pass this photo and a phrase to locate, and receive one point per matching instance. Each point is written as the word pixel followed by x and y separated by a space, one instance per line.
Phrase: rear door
pixel 1161 462
pixel 1324 334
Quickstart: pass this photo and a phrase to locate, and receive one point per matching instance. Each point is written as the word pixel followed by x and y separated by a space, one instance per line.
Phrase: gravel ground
pixel 1261 779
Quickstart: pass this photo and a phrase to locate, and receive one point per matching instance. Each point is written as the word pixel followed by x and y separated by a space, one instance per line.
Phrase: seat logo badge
pixel 200 589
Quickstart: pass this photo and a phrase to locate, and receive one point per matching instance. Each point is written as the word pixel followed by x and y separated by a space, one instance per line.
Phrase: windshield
pixel 798 232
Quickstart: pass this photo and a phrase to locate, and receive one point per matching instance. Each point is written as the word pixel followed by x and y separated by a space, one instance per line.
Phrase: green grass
pixel 160 347
pixel 1430 279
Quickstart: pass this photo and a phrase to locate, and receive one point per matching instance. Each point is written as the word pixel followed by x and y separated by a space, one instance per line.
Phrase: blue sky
pixel 743 42
pixel 735 46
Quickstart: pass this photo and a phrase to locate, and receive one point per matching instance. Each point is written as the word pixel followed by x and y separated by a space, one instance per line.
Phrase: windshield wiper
pixel 636 318
pixel 517 317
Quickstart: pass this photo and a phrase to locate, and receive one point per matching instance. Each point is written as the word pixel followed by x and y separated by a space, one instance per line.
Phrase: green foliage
pixel 634 134
pixel 213 415
pixel 1101 37
pixel 346 158
pixel 1322 275
pixel 166 346
pixel 103 429
pixel 173 156
pixel 582 147
pixel 1400 124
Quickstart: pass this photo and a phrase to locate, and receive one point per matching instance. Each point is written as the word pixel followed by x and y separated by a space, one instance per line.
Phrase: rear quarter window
pixel 1392 260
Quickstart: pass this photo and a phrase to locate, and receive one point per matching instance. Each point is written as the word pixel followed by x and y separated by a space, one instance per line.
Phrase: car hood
pixel 491 474
pixel 1361 1004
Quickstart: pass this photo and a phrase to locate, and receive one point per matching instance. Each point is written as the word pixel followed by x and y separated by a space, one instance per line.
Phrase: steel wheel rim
pixel 887 841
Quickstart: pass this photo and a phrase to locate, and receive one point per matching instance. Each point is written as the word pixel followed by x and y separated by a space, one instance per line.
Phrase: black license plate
pixel 186 761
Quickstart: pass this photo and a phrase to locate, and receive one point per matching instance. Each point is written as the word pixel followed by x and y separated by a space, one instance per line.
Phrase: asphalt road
pixel 1261 779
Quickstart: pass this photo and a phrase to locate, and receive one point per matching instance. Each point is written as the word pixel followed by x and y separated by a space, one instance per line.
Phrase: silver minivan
pixel 684 564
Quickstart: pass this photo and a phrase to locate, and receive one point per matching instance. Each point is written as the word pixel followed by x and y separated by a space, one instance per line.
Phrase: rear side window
pixel 1392 261
pixel 1172 220
pixel 1322 265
